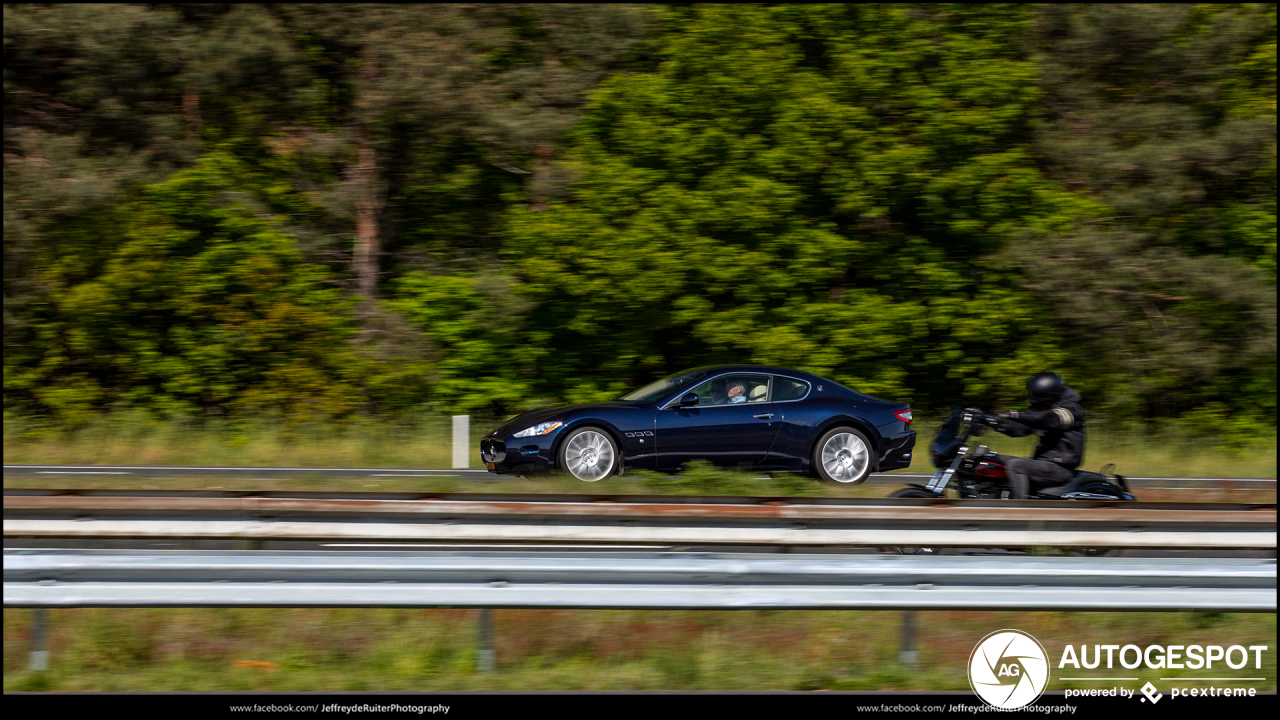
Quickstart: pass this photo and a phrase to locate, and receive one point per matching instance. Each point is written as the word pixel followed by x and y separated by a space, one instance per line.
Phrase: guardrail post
pixel 461 441
pixel 39 655
pixel 908 655
pixel 488 659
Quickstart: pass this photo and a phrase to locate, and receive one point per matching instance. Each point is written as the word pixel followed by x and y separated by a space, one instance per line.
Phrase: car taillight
pixel 904 415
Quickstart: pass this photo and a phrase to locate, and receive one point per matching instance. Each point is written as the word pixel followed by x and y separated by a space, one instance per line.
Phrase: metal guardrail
pixel 630 520
pixel 51 578
pixel 789 537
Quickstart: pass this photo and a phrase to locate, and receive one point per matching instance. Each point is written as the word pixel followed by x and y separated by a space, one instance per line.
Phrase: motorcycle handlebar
pixel 981 418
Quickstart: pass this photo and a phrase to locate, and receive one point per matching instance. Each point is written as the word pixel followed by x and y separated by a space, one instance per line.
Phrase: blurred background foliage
pixel 327 212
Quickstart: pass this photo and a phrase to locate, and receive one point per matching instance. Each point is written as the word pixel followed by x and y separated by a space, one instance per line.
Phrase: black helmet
pixel 1044 389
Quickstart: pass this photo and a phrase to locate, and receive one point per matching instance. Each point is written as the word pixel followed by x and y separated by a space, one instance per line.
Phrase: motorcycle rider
pixel 1057 417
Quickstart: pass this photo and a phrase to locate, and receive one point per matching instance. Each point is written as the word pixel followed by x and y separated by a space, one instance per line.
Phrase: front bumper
pixel 501 457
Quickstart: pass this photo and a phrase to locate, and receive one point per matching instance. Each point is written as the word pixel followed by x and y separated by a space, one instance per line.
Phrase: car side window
pixel 733 389
pixel 788 389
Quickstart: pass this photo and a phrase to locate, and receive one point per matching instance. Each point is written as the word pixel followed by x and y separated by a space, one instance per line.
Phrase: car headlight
pixel 539 429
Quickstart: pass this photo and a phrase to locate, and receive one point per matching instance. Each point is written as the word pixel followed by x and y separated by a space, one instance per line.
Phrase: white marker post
pixel 461 441
pixel 908 655
pixel 488 659
pixel 38 657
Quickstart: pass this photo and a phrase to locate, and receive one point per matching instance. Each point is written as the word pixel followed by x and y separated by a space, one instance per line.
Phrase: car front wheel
pixel 588 454
pixel 842 456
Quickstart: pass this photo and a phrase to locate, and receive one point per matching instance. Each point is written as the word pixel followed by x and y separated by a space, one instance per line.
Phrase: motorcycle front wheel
pixel 1090 552
pixel 914 493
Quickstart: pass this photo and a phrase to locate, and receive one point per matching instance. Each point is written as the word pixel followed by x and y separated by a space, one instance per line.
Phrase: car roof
pixel 713 369
pixel 775 370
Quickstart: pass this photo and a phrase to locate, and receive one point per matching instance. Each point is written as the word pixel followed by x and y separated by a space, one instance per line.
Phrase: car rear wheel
pixel 842 456
pixel 588 454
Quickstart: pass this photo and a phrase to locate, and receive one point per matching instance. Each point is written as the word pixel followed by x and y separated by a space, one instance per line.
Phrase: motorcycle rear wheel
pixel 914 493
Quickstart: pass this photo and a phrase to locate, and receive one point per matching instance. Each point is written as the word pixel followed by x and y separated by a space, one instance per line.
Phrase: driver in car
pixel 1058 419
pixel 719 391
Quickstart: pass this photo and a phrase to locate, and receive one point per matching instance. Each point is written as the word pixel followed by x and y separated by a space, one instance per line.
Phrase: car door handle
pixel 764 416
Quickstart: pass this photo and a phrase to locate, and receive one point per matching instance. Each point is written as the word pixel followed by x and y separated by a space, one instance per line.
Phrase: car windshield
pixel 658 389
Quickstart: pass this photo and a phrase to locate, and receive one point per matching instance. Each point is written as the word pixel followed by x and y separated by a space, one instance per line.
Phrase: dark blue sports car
pixel 764 418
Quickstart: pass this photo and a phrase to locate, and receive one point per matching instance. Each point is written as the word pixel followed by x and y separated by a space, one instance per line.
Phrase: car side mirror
pixel 689 400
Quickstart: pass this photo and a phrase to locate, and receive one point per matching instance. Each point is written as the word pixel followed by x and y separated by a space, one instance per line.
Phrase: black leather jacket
pixel 1061 430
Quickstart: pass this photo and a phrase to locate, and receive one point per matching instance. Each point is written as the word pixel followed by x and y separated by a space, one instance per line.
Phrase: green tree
pixel 184 301
pixel 453 113
pixel 85 116
pixel 381 140
pixel 1167 114
pixel 531 203
pixel 812 186
pixel 444 107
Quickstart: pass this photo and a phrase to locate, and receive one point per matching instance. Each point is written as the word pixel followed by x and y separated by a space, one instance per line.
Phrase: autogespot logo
pixel 1008 669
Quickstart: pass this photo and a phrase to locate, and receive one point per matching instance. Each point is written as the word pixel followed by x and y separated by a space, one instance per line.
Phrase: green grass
pixel 133 440
pixel 136 440
pixel 387 649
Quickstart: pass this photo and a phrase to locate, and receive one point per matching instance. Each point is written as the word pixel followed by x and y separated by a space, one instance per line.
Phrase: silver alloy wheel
pixel 589 455
pixel 845 457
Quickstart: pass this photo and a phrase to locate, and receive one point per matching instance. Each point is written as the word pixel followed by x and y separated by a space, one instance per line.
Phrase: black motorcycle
pixel 980 473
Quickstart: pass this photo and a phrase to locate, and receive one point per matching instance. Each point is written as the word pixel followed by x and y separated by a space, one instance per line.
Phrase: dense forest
pixel 329 211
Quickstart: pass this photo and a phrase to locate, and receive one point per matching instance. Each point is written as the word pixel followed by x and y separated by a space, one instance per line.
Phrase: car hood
pixel 559 412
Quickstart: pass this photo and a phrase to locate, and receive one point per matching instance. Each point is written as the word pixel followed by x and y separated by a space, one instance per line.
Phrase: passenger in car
pixel 737 391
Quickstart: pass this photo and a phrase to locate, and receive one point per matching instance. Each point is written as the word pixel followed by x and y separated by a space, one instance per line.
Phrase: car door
pixel 719 429
pixel 796 420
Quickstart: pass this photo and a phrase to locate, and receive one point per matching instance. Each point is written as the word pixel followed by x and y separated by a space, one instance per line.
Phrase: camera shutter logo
pixel 1008 669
